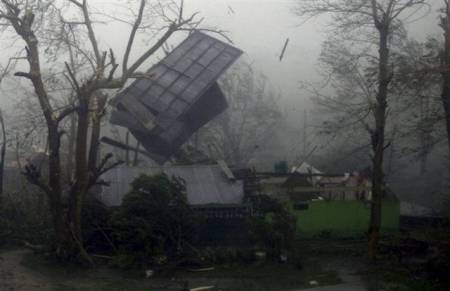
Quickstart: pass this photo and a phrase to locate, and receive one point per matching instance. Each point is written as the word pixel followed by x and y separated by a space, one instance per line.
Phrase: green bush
pixel 275 231
pixel 96 227
pixel 154 224
pixel 5 226
pixel 24 217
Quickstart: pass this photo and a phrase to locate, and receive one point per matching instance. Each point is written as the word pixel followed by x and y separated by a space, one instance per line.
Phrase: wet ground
pixel 320 273
pixel 348 270
pixel 14 276
pixel 17 276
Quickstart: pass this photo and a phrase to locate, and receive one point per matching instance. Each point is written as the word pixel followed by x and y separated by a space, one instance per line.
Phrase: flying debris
pixel 230 10
pixel 164 110
pixel 284 49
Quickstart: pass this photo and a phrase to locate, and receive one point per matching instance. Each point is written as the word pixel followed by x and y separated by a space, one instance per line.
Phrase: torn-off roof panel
pixel 180 95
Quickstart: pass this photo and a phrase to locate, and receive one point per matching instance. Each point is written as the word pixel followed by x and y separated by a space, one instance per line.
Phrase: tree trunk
pixel 445 63
pixel 445 96
pixel 63 239
pixel 95 133
pixel 84 164
pixel 81 173
pixel 378 141
pixel 425 136
pixel 71 147
pixel 2 156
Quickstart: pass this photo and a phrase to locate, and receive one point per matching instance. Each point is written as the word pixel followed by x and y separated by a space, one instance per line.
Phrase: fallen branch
pixel 202 269
pixel 202 288
pixel 102 256
pixel 36 248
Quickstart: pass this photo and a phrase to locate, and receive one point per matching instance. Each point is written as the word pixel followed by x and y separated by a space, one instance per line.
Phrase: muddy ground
pixel 15 276
pixel 21 269
pixel 325 266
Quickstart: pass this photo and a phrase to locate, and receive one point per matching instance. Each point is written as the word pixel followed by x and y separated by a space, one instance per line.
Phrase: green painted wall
pixel 344 218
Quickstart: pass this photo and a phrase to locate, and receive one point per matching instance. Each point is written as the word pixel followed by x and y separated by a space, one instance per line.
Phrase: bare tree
pixel 373 21
pixel 89 69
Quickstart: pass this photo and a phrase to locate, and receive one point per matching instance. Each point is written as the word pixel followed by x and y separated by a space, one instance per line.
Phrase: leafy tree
pixel 275 231
pixel 371 27
pixel 154 221
pixel 414 111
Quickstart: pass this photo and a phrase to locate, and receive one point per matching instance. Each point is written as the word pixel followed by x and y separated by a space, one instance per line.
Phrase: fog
pixel 260 29
pixel 225 145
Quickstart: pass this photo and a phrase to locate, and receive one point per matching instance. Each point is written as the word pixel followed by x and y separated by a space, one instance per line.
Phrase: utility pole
pixel 425 136
pixel 305 133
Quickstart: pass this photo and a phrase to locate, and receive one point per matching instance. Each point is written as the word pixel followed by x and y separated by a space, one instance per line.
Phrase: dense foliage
pixel 154 224
pixel 275 231
pixel 24 218
pixel 96 221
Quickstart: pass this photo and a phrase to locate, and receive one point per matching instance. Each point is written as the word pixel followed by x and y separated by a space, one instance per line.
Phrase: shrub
pixel 24 217
pixel 275 231
pixel 154 224
pixel 96 226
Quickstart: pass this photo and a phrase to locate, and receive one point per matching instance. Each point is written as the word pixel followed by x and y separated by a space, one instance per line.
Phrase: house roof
pixel 180 95
pixel 306 168
pixel 205 184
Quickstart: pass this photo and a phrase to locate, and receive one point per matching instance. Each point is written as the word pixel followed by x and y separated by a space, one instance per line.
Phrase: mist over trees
pixel 416 130
pixel 371 28
pixel 252 119
pixel 383 105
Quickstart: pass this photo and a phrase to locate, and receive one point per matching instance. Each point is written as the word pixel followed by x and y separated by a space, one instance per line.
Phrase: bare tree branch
pixel 91 34
pixel 66 112
pixel 72 77
pixel 132 36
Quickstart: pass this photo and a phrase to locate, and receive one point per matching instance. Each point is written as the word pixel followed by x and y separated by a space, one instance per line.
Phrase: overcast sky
pixel 260 28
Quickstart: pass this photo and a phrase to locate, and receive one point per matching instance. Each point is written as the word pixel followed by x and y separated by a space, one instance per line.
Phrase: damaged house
pixel 337 204
pixel 162 112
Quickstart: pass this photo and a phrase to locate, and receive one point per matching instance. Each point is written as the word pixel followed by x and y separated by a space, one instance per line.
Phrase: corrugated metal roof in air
pixel 158 110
